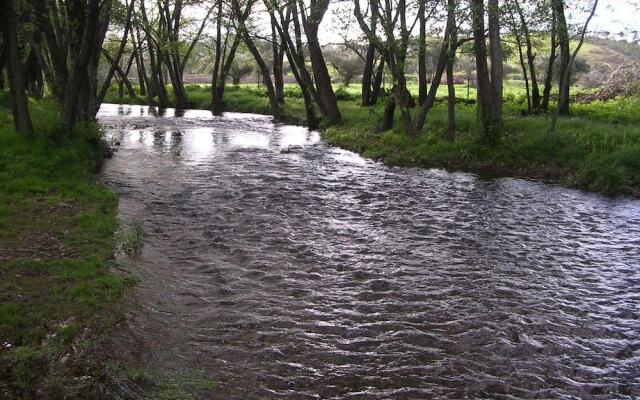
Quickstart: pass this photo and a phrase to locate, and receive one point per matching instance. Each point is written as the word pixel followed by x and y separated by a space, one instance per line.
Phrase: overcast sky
pixel 615 16
pixel 612 16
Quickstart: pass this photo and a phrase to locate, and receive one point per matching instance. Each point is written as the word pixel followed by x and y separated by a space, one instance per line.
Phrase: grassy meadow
pixel 58 294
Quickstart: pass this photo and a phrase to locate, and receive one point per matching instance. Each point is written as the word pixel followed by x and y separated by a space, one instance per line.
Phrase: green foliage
pixel 28 364
pixel 52 205
pixel 182 387
pixel 622 110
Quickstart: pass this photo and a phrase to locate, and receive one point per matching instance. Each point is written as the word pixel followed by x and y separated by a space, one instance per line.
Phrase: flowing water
pixel 281 267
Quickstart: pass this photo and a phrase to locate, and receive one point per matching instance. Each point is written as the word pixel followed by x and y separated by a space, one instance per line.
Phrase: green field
pixel 58 294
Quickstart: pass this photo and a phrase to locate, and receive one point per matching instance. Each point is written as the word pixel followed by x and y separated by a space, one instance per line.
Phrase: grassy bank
pixel 597 149
pixel 57 240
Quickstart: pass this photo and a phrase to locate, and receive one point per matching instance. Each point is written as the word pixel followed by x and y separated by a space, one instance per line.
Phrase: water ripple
pixel 284 268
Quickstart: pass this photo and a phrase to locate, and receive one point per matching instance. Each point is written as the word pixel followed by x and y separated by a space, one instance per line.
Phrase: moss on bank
pixel 58 294
pixel 596 149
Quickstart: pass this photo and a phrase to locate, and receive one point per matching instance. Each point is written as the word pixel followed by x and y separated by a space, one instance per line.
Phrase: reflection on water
pixel 283 268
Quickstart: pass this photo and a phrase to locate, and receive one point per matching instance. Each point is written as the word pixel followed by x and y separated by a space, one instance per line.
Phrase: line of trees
pixel 59 44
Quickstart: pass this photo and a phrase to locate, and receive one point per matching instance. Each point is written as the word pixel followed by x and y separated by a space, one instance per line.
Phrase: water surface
pixel 283 268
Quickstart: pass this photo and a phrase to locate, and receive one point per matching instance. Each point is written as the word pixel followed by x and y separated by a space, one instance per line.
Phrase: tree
pixel 565 55
pixel 563 97
pixel 114 61
pixel 225 53
pixel 75 27
pixel 346 63
pixel 489 83
pixel 169 45
pixel 243 30
pixel 19 101
pixel 239 70
pixel 311 18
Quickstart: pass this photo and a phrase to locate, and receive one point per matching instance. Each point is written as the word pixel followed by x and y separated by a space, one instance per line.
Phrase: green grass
pixel 57 224
pixel 597 149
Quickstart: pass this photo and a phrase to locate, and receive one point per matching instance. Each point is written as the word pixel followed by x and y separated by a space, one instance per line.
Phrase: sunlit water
pixel 283 268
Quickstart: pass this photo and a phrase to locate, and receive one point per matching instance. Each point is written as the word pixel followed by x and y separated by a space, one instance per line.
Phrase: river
pixel 281 267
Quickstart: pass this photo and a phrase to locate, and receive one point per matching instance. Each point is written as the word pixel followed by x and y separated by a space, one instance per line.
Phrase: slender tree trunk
pixel 451 103
pixel 448 45
pixel 524 71
pixel 33 72
pixel 295 56
pixel 485 96
pixel 565 56
pixel 422 53
pixel 497 59
pixel 116 60
pixel 548 81
pixel 572 59
pixel 143 79
pixel 123 80
pixel 535 90
pixel 367 75
pixel 20 103
pixel 139 68
pixel 262 66
pixel 369 65
pixel 389 111
pixel 320 72
pixel 278 59
pixel 377 82
pixel 451 89
pixel 157 82
pixel 216 101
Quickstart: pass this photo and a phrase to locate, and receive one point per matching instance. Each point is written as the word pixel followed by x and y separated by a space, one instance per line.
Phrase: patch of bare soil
pixel 37 230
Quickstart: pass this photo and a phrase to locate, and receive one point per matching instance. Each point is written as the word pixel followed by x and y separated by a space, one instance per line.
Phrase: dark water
pixel 314 273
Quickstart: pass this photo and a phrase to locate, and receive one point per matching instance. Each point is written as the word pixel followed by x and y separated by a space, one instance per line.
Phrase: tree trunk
pixel 486 113
pixel 387 117
pixel 367 75
pixel 572 59
pixel 295 55
pixel 264 69
pixel 565 56
pixel 447 50
pixel 525 74
pixel 216 100
pixel 451 89
pixel 140 68
pixel 33 72
pixel 377 82
pixel 157 82
pixel 497 59
pixel 278 59
pixel 422 53
pixel 89 22
pixel 116 60
pixel 143 79
pixel 320 72
pixel 535 90
pixel 451 103
pixel 19 101
pixel 548 81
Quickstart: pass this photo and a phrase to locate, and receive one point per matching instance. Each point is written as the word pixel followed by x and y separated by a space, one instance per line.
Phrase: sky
pixel 612 16
pixel 615 16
